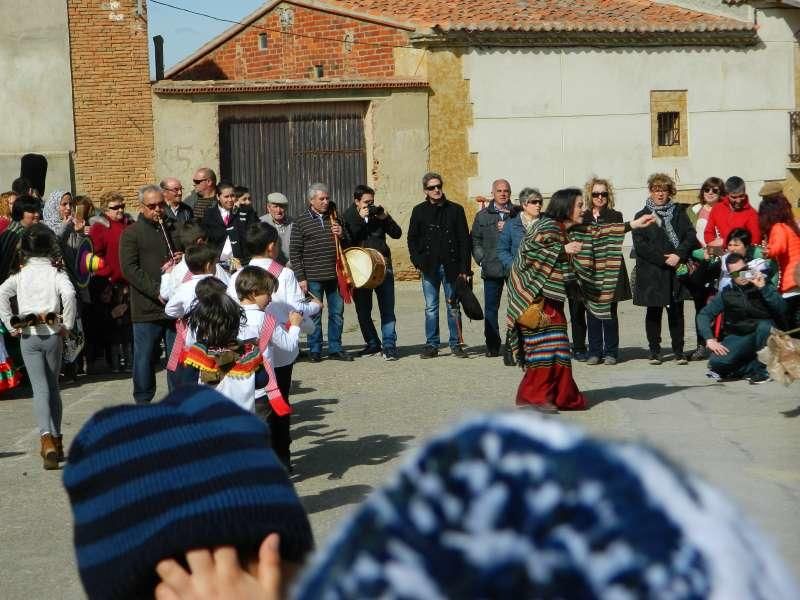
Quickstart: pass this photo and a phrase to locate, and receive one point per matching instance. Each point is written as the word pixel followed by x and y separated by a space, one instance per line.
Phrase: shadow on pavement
pixel 638 391
pixel 791 414
pixel 10 454
pixel 335 497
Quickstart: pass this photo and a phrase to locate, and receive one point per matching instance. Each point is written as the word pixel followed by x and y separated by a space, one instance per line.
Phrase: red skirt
pixel 548 368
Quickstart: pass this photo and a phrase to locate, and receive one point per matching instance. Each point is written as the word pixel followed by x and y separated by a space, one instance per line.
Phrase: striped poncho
pixel 542 268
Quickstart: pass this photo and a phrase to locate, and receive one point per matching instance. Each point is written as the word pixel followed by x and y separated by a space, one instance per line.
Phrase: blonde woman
pixel 6 202
pixel 604 334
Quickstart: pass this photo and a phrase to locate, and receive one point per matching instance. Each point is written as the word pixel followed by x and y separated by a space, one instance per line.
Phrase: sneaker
pixel 580 356
pixel 714 375
pixel 655 358
pixel 593 360
pixel 429 352
pixel 680 359
pixel 610 360
pixel 369 351
pixel 389 354
pixel 459 352
pixel 701 353
pixel 759 379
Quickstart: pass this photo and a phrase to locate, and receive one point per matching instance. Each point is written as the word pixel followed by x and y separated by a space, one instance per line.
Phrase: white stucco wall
pixel 551 118
pixel 36 100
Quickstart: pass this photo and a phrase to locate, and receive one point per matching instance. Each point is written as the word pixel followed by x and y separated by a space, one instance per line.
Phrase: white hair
pixel 315 188
pixel 146 189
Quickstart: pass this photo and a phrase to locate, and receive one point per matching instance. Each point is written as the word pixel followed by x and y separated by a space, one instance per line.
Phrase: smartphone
pixel 79 212
pixel 716 250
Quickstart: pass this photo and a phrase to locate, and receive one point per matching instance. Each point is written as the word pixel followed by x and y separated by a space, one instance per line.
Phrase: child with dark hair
pixel 189 234
pixel 46 304
pixel 201 262
pixel 254 289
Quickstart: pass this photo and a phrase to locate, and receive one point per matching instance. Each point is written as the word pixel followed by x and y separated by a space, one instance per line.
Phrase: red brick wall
pixel 293 57
pixel 111 98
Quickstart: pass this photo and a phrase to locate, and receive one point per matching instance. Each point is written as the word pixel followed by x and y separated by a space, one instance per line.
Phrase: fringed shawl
pixel 542 268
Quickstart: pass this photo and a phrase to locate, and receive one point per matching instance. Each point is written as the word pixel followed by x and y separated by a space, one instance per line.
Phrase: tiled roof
pixel 167 87
pixel 634 16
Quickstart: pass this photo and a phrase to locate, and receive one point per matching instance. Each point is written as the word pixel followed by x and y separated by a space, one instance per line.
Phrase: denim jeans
pixel 603 334
pixel 742 359
pixel 363 301
pixel 430 289
pixel 146 337
pixel 492 293
pixel 330 289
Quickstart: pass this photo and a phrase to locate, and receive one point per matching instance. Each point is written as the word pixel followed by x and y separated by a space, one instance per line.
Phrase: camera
pixel 748 274
pixel 375 210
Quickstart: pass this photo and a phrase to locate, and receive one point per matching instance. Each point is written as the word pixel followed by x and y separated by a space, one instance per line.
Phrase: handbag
pixel 534 317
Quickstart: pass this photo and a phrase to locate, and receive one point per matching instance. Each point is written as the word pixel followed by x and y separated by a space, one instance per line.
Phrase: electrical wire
pixel 261 27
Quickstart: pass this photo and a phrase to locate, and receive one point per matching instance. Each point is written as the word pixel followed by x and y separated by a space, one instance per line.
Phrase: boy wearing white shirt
pixel 278 341
pixel 201 262
pixel 190 234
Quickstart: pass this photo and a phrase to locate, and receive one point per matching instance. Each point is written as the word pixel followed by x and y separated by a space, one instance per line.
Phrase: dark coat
pixel 182 214
pixel 217 231
pixel 654 282
pixel 439 235
pixel 508 243
pixel 372 233
pixel 485 236
pixel 142 253
pixel 607 216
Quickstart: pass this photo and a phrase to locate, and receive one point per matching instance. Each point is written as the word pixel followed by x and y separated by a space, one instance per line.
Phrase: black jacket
pixel 607 216
pixel 217 231
pixel 142 253
pixel 371 233
pixel 656 283
pixel 438 234
pixel 183 213
pixel 484 240
pixel 743 307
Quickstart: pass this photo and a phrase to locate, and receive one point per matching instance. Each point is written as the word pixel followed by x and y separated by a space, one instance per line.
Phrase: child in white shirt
pixel 190 234
pixel 254 287
pixel 47 305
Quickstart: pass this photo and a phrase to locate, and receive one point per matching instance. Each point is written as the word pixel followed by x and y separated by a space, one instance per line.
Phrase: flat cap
pixel 770 188
pixel 277 198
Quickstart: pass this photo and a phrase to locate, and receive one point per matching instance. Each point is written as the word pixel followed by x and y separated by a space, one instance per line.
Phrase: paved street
pixel 354 422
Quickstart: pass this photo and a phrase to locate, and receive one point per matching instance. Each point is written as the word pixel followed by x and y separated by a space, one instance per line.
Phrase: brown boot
pixel 59 443
pixel 49 452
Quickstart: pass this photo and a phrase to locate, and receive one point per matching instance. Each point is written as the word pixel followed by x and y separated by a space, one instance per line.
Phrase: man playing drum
pixel 367 225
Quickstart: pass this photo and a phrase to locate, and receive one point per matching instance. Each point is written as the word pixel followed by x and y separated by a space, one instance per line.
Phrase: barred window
pixel 669 129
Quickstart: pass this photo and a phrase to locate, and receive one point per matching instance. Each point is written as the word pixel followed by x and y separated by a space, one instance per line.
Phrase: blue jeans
pixel 492 293
pixel 363 300
pixel 742 359
pixel 603 334
pixel 146 337
pixel 330 289
pixel 430 289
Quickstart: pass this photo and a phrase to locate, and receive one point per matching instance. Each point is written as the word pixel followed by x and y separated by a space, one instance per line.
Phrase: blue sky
pixel 184 33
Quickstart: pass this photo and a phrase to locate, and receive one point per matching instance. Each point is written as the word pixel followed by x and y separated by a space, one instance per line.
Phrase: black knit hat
pixel 148 482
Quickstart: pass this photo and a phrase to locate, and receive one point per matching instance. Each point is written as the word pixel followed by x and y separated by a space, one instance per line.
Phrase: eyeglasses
pixel 659 188
pixel 599 194
pixel 533 202
pixel 199 181
pixel 430 188
pixel 712 190
pixel 117 207
pixel 173 190
pixel 155 206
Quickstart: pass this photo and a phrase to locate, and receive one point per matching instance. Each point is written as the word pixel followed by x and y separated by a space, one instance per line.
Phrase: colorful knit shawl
pixel 542 268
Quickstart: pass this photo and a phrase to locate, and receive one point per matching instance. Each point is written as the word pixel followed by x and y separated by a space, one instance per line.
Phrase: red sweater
pixel 784 248
pixel 723 219
pixel 105 236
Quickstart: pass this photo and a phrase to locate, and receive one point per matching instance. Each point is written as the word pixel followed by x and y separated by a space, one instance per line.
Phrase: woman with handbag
pixel 558 258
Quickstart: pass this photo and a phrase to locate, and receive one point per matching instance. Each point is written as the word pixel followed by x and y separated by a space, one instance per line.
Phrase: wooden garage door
pixel 285 148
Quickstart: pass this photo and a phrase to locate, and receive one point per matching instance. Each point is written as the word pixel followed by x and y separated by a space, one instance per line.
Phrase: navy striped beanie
pixel 148 482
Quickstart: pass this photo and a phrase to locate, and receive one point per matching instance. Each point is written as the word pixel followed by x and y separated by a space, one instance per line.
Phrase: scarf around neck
pixel 665 214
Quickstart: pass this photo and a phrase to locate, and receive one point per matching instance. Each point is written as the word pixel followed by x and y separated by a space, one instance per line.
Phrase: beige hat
pixel 770 188
pixel 277 198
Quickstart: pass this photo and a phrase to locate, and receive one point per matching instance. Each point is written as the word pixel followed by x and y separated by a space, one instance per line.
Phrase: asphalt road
pixel 354 422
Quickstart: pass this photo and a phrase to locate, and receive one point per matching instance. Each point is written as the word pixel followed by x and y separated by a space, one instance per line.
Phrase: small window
pixel 263 41
pixel 669 129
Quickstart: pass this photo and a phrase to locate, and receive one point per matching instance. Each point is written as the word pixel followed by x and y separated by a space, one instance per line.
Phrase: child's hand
pixel 216 574
pixel 119 310
pixel 295 318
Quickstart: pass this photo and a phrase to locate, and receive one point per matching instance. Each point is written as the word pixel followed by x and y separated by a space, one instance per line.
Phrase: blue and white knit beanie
pixel 514 506
pixel 148 482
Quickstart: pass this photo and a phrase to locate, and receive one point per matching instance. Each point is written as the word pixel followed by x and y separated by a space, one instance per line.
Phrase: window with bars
pixel 669 129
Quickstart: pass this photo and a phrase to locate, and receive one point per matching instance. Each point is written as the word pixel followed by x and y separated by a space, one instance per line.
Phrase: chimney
pixel 158 46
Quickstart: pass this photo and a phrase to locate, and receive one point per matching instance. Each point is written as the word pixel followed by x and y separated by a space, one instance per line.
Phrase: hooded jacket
pixel 723 219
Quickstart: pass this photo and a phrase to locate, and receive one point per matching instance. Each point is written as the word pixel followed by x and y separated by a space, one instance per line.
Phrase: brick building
pixel 78 94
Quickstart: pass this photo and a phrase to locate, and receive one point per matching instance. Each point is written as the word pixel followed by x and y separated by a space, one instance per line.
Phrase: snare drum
pixel 367 267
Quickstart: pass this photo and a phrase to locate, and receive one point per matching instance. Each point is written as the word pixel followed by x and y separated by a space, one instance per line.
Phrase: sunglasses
pixel 430 188
pixel 599 194
pixel 533 202
pixel 173 190
pixel 117 207
pixel 155 206
pixel 711 189
pixel 199 181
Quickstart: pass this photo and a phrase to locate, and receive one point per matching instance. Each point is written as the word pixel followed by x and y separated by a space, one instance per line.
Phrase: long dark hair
pixel 773 210
pixel 39 241
pixel 561 204
pixel 214 316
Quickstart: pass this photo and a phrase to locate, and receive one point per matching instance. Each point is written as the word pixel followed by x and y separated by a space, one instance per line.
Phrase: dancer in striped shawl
pixel 559 257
